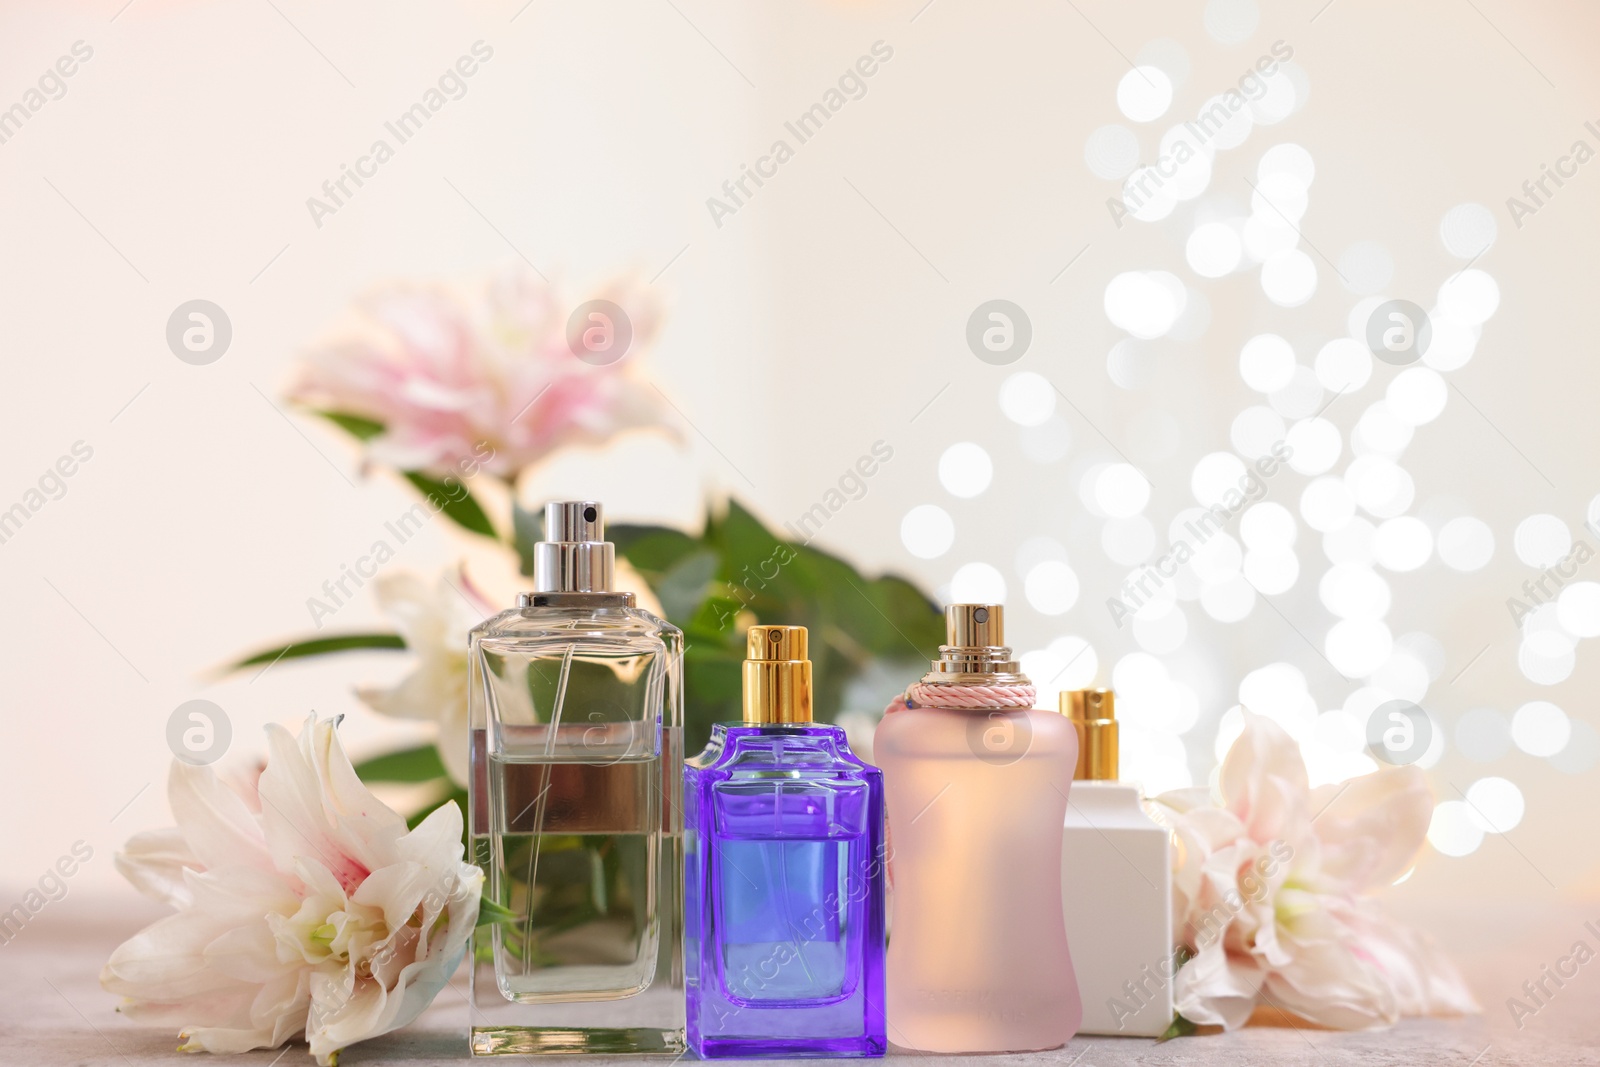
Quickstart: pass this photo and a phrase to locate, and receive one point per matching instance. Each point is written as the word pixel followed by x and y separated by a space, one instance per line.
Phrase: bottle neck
pixel 586 601
pixel 1098 755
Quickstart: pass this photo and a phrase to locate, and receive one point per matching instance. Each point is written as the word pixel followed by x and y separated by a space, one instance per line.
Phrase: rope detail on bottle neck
pixel 924 695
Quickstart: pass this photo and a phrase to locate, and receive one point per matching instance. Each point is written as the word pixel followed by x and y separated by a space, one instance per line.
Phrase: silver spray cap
pixel 575 557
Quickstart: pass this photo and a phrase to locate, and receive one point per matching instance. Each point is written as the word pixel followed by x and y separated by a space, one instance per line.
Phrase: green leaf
pixel 527 530
pixel 896 621
pixel 736 570
pixel 713 623
pixel 682 588
pixel 322 646
pixel 1180 1027
pixel 490 912
pixel 409 765
pixel 357 426
pixel 652 550
pixel 748 542
pixel 455 501
pixel 719 672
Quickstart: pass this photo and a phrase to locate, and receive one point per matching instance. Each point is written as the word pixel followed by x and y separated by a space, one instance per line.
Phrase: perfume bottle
pixel 784 883
pixel 1116 884
pixel 575 708
pixel 977 787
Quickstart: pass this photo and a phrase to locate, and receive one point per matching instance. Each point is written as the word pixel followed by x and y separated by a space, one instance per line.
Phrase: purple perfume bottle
pixel 784 876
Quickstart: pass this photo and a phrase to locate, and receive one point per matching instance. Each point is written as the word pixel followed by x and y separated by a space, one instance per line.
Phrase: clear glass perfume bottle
pixel 1116 884
pixel 977 791
pixel 784 883
pixel 576 716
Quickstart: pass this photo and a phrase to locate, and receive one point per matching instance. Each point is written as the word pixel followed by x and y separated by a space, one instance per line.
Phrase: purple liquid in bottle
pixel 784 877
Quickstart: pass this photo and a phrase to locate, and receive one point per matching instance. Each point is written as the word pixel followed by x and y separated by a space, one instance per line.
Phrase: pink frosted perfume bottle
pixel 976 782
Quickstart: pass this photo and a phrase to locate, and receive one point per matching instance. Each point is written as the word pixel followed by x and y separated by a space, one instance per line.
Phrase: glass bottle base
pixel 791 1048
pixel 569 1041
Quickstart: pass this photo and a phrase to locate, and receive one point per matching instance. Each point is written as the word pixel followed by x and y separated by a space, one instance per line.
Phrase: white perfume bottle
pixel 1116 885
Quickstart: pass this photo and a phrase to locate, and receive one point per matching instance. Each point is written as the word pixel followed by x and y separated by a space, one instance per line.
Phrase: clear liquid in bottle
pixel 576 716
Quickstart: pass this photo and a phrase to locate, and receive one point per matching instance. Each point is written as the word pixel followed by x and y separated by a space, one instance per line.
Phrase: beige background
pixel 800 331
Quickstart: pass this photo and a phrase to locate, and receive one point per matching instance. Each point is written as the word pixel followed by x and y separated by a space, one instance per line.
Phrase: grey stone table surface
pixel 53 1012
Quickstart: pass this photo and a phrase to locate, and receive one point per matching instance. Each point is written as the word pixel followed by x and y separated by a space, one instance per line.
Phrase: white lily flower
pixel 320 914
pixel 1274 893
pixel 434 621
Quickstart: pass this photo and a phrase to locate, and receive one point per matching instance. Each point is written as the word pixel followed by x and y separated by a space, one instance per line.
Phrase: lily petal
pixel 154 861
pixel 216 825
pixel 1371 827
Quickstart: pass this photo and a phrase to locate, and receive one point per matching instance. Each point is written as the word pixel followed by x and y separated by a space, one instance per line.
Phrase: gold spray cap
pixel 1094 715
pixel 777 676
pixel 975 652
